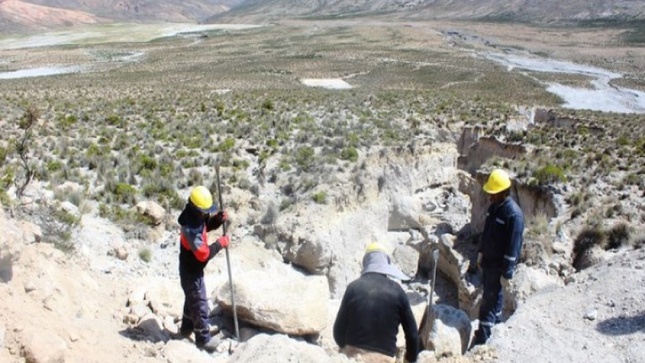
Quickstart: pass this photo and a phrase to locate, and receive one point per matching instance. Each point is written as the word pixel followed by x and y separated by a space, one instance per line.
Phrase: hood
pixel 379 262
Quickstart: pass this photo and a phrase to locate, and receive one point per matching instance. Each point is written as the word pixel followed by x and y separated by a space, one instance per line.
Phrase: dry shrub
pixel 587 239
pixel 618 236
pixel 538 243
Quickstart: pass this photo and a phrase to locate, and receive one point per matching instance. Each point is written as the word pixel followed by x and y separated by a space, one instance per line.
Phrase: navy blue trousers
pixel 490 310
pixel 196 310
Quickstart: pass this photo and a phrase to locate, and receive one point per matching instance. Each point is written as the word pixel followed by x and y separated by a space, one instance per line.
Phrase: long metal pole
pixel 435 258
pixel 228 260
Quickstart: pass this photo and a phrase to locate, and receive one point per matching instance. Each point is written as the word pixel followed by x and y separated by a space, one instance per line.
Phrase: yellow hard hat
pixel 498 181
pixel 375 246
pixel 202 199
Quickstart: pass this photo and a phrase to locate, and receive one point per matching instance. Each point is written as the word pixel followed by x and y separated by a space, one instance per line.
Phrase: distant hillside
pixel 22 15
pixel 165 10
pixel 517 10
pixel 18 15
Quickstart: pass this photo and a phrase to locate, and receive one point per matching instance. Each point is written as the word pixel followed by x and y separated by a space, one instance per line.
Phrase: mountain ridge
pixel 508 10
pixel 18 15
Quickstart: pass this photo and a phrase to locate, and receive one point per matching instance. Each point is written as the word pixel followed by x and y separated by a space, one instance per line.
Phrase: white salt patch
pixel 39 72
pixel 330 83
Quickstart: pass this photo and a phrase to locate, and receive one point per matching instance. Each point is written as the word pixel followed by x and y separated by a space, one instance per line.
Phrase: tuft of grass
pixel 145 254
pixel 320 197
pixel 550 174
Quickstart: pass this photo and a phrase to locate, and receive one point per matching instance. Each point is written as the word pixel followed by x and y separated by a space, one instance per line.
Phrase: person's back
pixel 371 311
pixel 374 303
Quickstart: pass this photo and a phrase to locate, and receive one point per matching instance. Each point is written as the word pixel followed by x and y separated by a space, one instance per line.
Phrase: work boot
pixel 185 333
pixel 210 346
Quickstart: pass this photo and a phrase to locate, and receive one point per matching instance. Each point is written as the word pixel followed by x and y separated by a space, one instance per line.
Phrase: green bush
pixel 115 120
pixel 305 157
pixel 54 165
pixel 145 254
pixel 226 145
pixel 125 192
pixel 267 105
pixel 320 197
pixel 350 154
pixel 148 162
pixel 550 174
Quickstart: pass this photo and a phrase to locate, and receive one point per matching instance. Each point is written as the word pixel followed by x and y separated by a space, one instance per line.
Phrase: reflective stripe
pixel 510 258
pixel 498 314
pixel 205 330
pixel 499 221
pixel 485 323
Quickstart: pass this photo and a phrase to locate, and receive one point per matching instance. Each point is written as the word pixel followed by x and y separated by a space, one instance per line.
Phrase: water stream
pixel 602 97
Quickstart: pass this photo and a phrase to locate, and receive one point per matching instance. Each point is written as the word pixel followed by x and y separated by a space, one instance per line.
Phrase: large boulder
pixel 279 348
pixel 279 298
pixel 447 331
pixel 152 210
pixel 41 346
pixel 526 282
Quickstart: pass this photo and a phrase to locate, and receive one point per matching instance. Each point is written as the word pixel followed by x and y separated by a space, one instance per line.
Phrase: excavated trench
pixel 458 282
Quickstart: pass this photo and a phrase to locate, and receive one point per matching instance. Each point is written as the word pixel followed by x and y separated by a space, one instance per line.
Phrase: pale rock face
pixel 447 332
pixel 279 348
pixel 279 298
pixel 407 259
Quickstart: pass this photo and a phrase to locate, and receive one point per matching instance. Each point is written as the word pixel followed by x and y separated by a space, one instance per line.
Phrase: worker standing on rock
pixel 371 311
pixel 499 250
pixel 196 220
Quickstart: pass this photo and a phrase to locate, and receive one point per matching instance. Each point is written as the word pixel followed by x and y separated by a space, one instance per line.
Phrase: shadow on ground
pixel 147 330
pixel 623 325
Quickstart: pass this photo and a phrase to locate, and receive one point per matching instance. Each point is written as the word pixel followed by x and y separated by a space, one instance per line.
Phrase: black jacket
pixel 370 314
pixel 194 250
pixel 501 241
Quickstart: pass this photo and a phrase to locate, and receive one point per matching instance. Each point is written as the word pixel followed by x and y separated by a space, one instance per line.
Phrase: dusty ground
pixel 554 322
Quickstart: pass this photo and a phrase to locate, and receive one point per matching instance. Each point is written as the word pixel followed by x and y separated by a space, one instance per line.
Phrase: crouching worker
pixel 372 309
pixel 195 220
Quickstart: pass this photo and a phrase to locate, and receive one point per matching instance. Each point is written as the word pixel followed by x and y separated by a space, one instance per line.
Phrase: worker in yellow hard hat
pixel 499 249
pixel 198 218
pixel 371 311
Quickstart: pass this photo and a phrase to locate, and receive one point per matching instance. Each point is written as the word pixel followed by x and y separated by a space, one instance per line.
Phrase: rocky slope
pixel 515 10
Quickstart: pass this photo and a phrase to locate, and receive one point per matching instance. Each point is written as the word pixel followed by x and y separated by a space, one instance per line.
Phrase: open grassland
pixel 149 128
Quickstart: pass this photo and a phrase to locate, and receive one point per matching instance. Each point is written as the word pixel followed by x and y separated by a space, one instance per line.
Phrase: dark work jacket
pixel 501 241
pixel 194 250
pixel 369 316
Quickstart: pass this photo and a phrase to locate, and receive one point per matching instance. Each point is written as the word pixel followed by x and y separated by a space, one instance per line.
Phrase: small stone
pixel 591 314
pixel 29 287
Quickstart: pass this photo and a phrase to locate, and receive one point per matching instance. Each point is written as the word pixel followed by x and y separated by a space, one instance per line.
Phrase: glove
pixel 224 241
pixel 223 215
pixel 480 256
